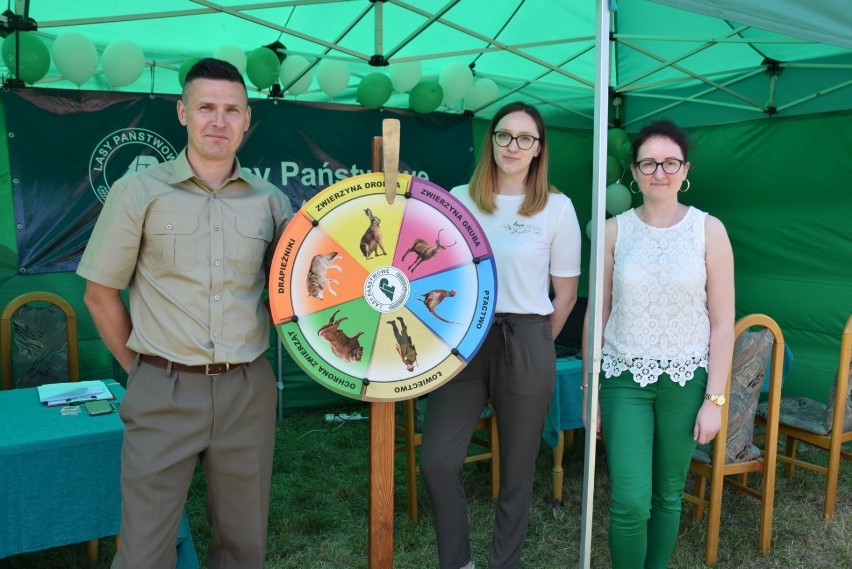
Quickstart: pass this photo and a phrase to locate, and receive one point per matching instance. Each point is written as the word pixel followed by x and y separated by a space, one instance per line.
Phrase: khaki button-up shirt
pixel 193 258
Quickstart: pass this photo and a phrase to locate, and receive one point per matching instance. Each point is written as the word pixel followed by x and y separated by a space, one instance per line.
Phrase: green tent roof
pixel 696 68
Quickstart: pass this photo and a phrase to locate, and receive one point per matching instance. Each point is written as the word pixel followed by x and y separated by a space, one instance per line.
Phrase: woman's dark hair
pixel 665 129
pixel 216 69
pixel 483 183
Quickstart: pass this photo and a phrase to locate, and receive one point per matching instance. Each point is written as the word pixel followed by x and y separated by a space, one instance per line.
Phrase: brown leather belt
pixel 205 369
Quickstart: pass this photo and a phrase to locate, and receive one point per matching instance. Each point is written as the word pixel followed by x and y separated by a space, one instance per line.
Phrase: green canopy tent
pixel 765 88
pixel 698 69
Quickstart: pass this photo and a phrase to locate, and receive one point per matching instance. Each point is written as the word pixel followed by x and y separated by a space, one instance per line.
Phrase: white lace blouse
pixel 659 321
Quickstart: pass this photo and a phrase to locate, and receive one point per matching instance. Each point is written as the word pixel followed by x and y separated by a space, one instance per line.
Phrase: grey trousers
pixel 516 370
pixel 170 422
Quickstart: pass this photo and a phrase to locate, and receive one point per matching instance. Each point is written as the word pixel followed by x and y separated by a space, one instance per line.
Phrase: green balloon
pixel 34 60
pixel 613 169
pixel 185 67
pixel 624 155
pixel 425 97
pixel 615 139
pixel 262 67
pixel 618 199
pixel 374 90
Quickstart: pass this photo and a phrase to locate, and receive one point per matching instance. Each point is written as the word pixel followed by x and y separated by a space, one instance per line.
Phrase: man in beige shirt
pixel 191 240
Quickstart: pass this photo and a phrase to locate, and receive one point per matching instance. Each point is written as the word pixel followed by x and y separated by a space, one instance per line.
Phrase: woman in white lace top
pixel 668 317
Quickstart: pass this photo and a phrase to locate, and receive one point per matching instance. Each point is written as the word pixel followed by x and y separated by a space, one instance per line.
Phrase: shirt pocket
pixel 173 239
pixel 254 236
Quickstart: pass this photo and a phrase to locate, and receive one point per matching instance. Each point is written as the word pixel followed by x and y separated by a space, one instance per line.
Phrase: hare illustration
pixel 372 238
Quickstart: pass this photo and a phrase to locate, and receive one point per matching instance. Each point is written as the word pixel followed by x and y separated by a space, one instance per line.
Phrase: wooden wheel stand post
pixel 380 543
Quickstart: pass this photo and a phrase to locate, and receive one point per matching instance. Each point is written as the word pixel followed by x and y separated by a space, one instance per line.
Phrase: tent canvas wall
pixel 770 114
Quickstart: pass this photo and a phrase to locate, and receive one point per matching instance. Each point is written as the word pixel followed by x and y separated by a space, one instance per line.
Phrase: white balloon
pixel 123 62
pixel 75 57
pixel 291 68
pixel 456 80
pixel 233 54
pixel 404 76
pixel 332 76
pixel 483 92
pixel 618 199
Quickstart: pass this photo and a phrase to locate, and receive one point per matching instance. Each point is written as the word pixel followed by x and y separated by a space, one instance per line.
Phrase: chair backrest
pixel 839 411
pixel 753 350
pixel 38 340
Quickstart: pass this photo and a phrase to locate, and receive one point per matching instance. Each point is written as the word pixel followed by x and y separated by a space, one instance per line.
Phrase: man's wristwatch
pixel 718 399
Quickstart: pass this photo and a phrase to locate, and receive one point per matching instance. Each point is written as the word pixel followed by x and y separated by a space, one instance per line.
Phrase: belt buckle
pixel 208 372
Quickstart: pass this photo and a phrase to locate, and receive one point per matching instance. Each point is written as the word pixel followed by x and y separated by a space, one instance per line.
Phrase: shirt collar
pixel 182 170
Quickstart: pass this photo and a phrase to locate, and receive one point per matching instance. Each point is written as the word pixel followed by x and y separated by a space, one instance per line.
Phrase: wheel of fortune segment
pixel 378 301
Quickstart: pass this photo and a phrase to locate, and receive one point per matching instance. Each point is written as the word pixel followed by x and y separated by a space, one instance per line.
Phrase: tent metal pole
pixel 280 380
pixel 593 343
pixel 378 28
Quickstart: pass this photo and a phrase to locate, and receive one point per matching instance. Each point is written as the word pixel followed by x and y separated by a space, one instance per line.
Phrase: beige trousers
pixel 171 420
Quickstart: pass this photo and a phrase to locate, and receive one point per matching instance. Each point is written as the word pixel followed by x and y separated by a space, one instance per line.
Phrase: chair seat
pixel 420 412
pixel 703 454
pixel 800 412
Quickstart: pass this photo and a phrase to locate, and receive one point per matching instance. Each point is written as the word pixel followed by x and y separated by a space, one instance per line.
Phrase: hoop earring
pixel 684 190
pixel 630 187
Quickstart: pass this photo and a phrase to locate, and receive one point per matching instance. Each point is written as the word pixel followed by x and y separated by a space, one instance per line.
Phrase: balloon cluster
pixel 619 156
pixel 75 56
pixel 123 62
pixel 455 83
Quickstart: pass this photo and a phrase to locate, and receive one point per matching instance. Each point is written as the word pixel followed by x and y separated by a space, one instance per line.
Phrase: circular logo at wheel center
pixel 387 289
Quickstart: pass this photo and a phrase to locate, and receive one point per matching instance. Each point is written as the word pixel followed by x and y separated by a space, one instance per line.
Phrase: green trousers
pixel 648 433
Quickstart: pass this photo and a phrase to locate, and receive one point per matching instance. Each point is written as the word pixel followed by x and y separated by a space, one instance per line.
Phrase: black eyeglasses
pixel 670 166
pixel 504 139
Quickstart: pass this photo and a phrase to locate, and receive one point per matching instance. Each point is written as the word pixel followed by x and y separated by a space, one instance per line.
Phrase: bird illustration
pixel 433 298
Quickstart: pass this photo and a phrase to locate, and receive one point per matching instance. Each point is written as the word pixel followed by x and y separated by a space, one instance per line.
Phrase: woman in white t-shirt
pixel 535 237
pixel 668 317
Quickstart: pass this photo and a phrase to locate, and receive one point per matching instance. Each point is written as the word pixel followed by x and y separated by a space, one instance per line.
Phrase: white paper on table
pixel 73 392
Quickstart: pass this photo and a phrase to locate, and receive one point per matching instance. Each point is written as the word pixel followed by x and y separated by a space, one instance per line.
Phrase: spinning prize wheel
pixel 378 301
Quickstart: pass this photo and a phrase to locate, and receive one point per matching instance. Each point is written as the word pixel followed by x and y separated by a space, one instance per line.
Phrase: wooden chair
pixel 38 343
pixel 38 340
pixel 484 448
pixel 733 457
pixel 825 426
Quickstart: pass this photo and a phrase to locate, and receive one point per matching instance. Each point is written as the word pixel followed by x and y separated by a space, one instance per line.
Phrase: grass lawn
pixel 318 514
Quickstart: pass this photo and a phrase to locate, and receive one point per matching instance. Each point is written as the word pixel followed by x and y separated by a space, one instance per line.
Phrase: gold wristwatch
pixel 718 399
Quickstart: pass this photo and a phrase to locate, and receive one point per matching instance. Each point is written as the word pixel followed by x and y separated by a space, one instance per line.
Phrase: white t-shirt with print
pixel 528 249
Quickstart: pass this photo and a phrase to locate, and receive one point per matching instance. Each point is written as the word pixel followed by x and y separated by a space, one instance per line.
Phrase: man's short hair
pixel 215 69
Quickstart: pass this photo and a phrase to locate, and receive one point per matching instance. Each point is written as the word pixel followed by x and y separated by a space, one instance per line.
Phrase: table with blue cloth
pixel 60 477
pixel 565 414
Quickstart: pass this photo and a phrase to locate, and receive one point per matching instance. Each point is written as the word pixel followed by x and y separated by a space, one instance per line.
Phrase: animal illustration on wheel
pixel 424 251
pixel 346 348
pixel 433 298
pixel 372 238
pixel 404 346
pixel 318 280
